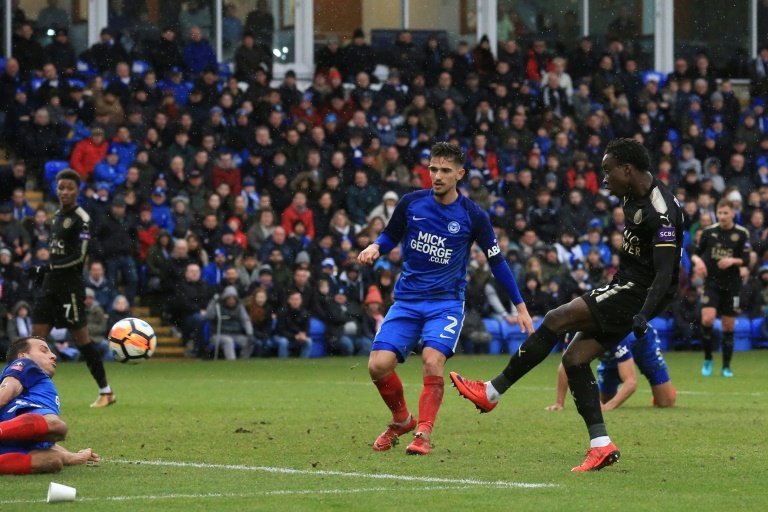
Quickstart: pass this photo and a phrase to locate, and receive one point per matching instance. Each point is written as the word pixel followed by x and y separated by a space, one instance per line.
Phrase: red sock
pixel 27 427
pixel 15 464
pixel 429 402
pixel 391 391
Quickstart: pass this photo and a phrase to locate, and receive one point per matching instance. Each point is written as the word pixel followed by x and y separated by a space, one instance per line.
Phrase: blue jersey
pixel 39 393
pixel 436 242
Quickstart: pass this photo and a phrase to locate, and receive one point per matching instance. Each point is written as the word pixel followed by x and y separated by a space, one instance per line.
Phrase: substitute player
pixel 616 376
pixel 61 302
pixel 723 248
pixel 30 424
pixel 644 284
pixel 437 228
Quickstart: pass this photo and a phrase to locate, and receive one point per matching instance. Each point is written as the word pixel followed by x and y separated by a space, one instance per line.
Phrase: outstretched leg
pixel 569 317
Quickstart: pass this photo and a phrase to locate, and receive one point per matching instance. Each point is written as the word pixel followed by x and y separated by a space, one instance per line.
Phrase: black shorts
pixel 724 300
pixel 613 306
pixel 62 301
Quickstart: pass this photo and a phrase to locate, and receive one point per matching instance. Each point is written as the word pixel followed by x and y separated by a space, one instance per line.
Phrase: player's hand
pixel 524 319
pixel 554 408
pixel 700 268
pixel 368 255
pixel 608 406
pixel 724 263
pixel 639 325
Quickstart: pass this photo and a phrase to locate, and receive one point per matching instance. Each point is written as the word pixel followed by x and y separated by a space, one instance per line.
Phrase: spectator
pixel 332 312
pixel 261 315
pixel 187 307
pixel 362 197
pixel 28 52
pixel 198 53
pixel 231 326
pixel 292 329
pixel 116 242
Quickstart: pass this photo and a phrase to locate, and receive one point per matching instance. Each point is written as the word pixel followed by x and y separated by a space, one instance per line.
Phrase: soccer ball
pixel 132 340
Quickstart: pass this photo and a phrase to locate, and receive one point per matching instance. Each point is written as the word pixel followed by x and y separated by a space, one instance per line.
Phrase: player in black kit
pixel 645 283
pixel 723 248
pixel 60 303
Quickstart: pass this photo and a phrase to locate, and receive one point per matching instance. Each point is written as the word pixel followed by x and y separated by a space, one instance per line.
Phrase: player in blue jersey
pixel 643 286
pixel 30 424
pixel 616 376
pixel 436 229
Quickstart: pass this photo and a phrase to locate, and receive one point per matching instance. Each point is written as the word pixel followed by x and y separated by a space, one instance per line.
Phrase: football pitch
pixel 295 435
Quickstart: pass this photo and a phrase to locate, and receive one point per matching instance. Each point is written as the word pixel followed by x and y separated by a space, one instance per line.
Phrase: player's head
pixel 726 211
pixel 446 167
pixel 67 186
pixel 624 159
pixel 36 349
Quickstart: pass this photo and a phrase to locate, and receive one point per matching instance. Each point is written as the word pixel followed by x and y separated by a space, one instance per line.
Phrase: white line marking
pixel 279 492
pixel 374 476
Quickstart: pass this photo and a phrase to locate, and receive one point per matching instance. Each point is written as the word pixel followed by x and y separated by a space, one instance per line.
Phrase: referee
pixel 60 302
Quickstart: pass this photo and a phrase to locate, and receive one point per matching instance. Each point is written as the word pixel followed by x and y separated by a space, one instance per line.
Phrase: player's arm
pixel 665 258
pixel 10 388
pixel 85 456
pixel 486 239
pixel 699 266
pixel 560 390
pixel 388 238
pixel 741 255
pixel 628 377
pixel 78 256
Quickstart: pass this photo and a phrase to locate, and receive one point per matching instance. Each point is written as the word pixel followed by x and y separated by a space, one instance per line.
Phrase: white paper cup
pixel 60 492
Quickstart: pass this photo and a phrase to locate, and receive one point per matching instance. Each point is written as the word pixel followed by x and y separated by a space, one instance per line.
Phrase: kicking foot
pixel 389 437
pixel 474 391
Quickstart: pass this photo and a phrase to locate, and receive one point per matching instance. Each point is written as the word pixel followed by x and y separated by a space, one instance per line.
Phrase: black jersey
pixel 70 233
pixel 654 220
pixel 717 243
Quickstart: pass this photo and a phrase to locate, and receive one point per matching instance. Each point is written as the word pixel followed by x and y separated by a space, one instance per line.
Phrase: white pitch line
pixel 320 472
pixel 279 492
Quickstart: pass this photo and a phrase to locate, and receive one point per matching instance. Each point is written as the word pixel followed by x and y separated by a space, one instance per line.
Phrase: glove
pixel 639 325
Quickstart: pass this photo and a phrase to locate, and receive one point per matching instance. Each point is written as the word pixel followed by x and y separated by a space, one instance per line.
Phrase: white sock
pixel 490 392
pixel 599 442
pixel 105 390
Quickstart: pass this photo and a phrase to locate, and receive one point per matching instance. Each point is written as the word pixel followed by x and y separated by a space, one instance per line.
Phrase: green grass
pixel 320 416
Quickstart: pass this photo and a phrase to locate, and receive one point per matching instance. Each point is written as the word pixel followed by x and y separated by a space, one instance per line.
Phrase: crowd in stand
pixel 235 206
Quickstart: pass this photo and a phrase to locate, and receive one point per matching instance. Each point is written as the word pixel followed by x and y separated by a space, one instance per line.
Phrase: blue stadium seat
pixel 225 71
pixel 317 333
pixel 50 171
pixel 758 340
pixel 742 333
pixel 493 327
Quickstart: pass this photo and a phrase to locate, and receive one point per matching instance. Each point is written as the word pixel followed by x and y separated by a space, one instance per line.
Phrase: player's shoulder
pixel 18 366
pixel 742 230
pixel 712 228
pixel 82 214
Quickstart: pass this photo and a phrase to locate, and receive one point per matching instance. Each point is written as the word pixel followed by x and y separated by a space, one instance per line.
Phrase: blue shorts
pixel 24 447
pixel 436 322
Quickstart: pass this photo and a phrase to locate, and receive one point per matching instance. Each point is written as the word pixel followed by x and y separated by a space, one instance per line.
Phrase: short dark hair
pixel 449 151
pixel 725 203
pixel 18 346
pixel 629 151
pixel 68 174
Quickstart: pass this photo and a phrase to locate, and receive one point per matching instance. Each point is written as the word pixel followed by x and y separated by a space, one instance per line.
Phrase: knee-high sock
pixel 585 394
pixel 727 349
pixel 26 427
pixel 15 463
pixel 531 353
pixel 95 363
pixel 391 391
pixel 429 401
pixel 706 341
